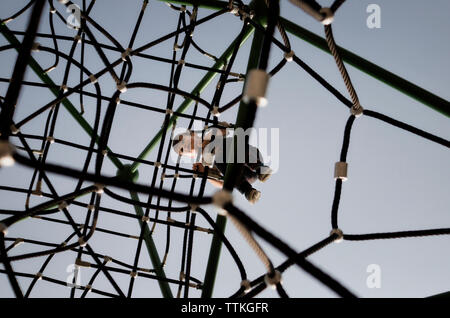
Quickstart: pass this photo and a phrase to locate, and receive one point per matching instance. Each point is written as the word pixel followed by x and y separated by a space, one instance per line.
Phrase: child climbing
pixel 213 148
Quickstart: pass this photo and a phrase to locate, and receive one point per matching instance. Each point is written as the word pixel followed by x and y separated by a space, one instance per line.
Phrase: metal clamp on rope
pixel 14 130
pixel 3 228
pixel 122 87
pixel 256 87
pixel 246 285
pixel 125 54
pixel 215 111
pixel 220 199
pixel 62 205
pixel 323 15
pixel 93 78
pixel 339 235
pixel 357 110
pixel 289 56
pixel 272 281
pixel 340 170
pixel 82 242
pixel 35 47
pixel 6 154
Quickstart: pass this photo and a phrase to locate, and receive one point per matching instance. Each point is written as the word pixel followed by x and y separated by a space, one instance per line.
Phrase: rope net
pixel 91 206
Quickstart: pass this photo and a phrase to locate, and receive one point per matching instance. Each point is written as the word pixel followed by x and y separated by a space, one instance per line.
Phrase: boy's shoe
pixel 253 196
pixel 263 177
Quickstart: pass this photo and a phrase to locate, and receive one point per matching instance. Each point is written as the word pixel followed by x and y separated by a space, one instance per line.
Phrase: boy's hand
pixel 198 167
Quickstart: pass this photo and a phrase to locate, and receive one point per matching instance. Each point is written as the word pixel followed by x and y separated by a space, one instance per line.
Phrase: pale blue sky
pixel 397 181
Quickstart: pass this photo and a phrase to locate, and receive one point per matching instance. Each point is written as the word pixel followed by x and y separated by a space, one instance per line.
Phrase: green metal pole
pixel 152 251
pixel 204 82
pixel 221 221
pixel 53 88
pixel 427 98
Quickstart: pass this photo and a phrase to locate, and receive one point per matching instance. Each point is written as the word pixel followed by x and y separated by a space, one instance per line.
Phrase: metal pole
pixel 221 221
pixel 425 97
pixel 152 251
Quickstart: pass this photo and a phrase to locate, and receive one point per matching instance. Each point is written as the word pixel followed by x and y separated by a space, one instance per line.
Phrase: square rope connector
pixel 289 56
pixel 99 188
pixel 64 88
pixel 357 111
pixel 18 241
pixel 157 164
pixel 256 87
pixel 193 207
pixel 145 219
pixel 176 47
pixel 82 242
pixel 3 229
pixel 6 154
pixel 125 54
pixel 14 130
pixel 38 190
pixel 107 259
pixel 134 274
pixel 328 16
pixel 118 100
pixel 122 87
pixel 62 205
pixel 77 38
pixel 88 288
pixel 215 111
pixel 176 175
pixel 39 276
pixel 93 78
pixel 339 235
pixel 220 199
pixel 50 139
pixel 163 175
pixel 35 47
pixel 169 111
pixel 246 285
pixel 91 207
pixel 181 62
pixel 272 280
pixel 340 170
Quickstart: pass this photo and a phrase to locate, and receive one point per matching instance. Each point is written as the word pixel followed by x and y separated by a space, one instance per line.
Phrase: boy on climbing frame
pixel 213 149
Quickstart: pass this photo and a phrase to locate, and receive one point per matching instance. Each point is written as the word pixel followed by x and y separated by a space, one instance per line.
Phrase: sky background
pixel 397 181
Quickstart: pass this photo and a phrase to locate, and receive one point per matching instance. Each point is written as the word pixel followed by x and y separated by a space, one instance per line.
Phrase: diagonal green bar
pixel 243 112
pixel 204 82
pixel 425 97
pixel 152 251
pixel 53 88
